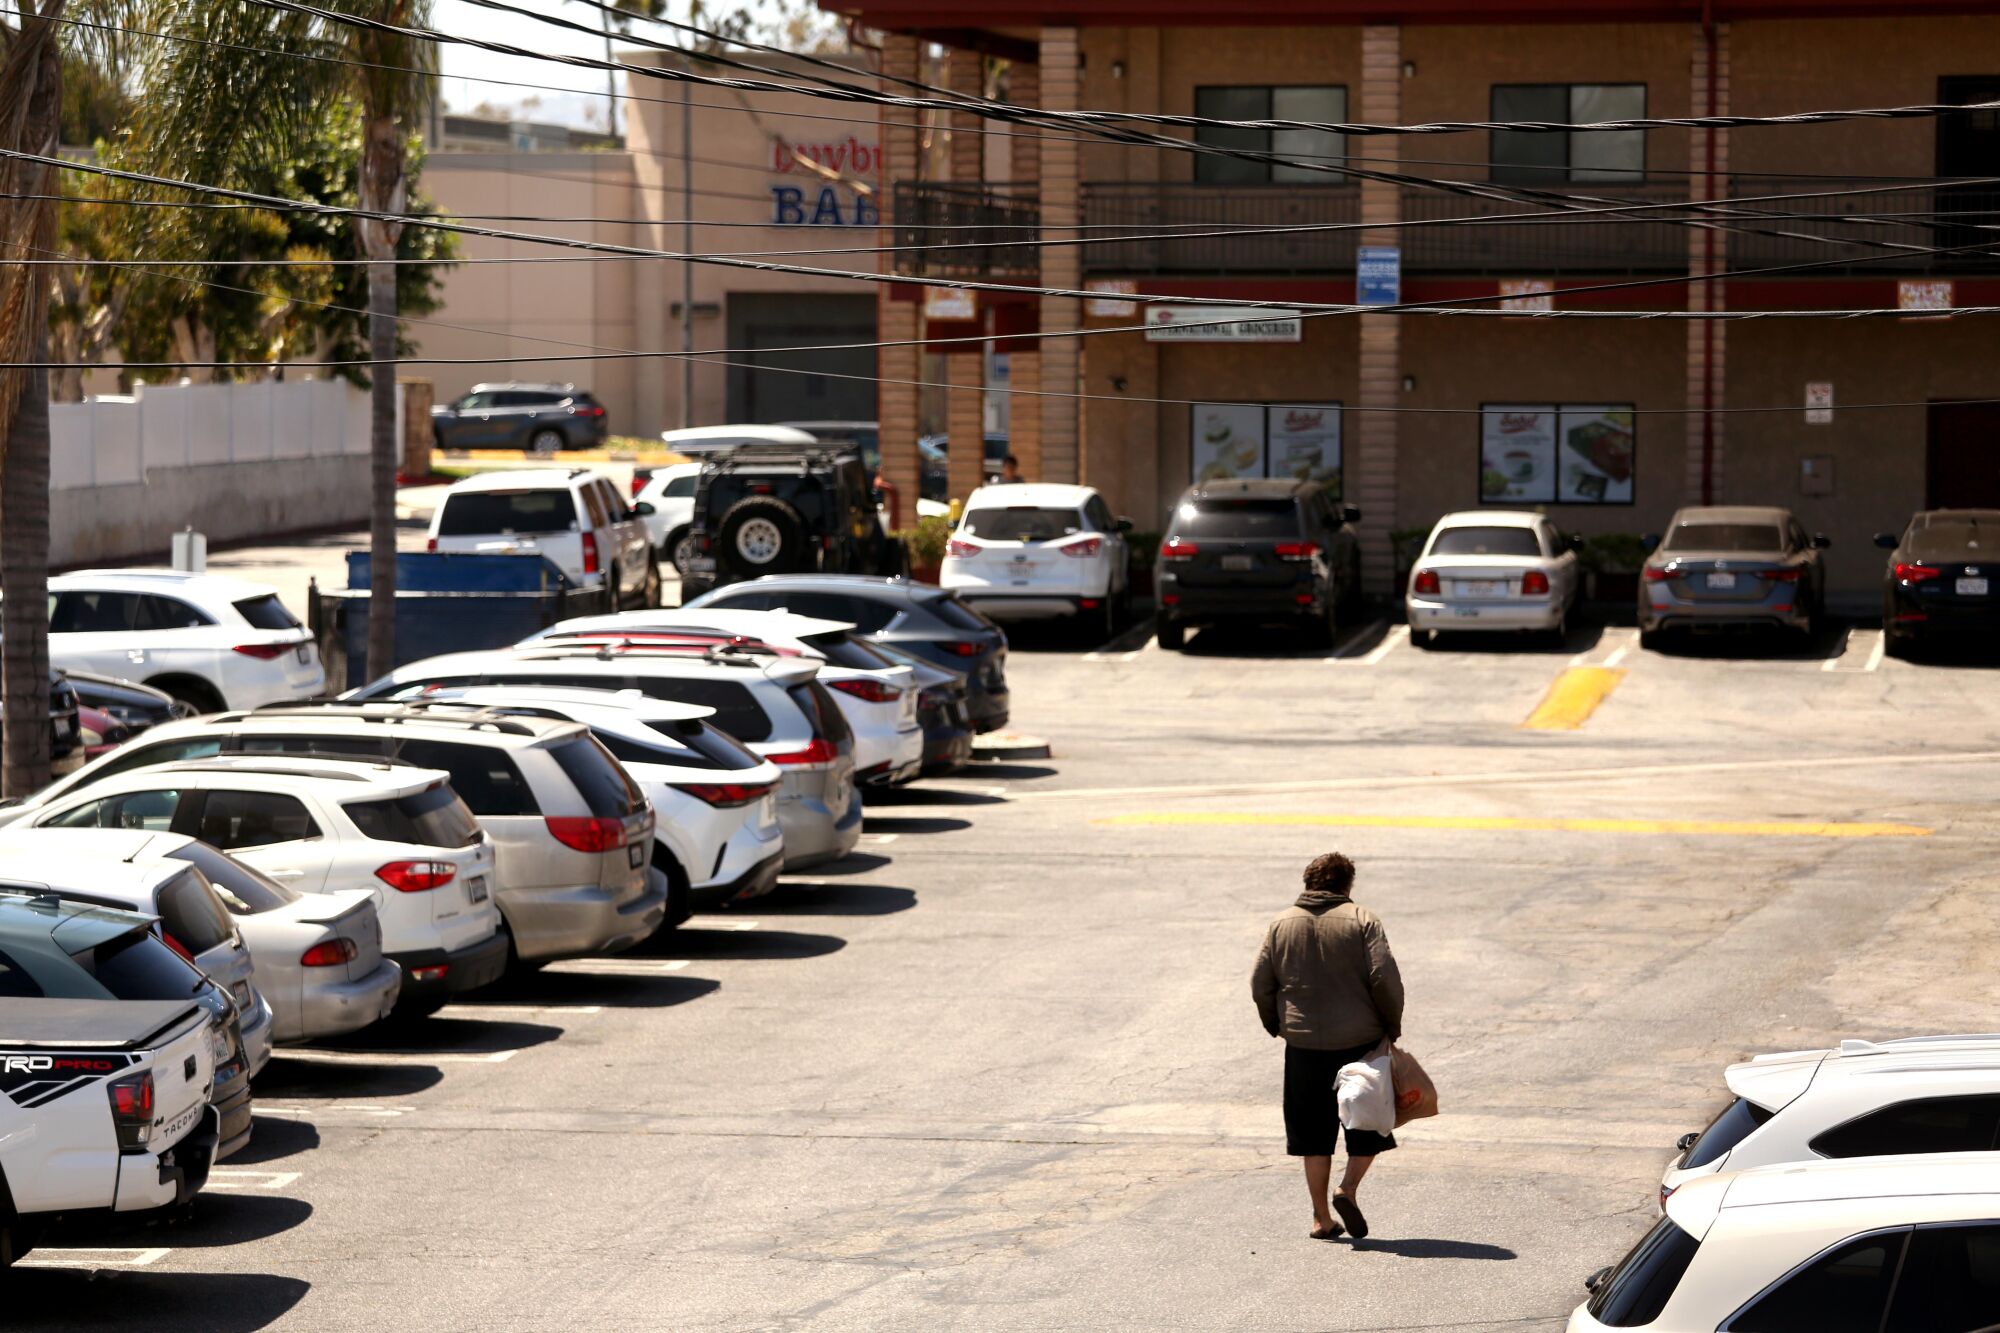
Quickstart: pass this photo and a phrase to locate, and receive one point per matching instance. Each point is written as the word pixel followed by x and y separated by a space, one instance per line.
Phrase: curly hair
pixel 1332 873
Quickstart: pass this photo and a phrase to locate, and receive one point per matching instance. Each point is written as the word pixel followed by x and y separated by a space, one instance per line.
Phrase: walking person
pixel 1326 982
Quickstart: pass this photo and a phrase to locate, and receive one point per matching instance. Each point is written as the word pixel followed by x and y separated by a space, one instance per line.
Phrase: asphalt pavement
pixel 1001 1071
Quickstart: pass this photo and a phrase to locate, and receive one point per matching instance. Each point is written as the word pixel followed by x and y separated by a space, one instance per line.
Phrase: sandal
pixel 1350 1213
pixel 1333 1231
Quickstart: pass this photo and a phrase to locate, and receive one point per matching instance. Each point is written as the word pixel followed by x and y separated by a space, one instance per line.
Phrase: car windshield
pixel 246 891
pixel 477 513
pixel 1725 537
pixel 1486 541
pixel 1023 523
pixel 1725 1132
pixel 267 612
pixel 1243 520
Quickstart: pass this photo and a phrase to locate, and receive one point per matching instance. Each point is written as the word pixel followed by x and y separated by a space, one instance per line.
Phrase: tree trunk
pixel 382 191
pixel 24 586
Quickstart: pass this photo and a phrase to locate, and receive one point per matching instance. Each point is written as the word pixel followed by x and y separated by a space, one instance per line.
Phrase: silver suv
pixel 571 833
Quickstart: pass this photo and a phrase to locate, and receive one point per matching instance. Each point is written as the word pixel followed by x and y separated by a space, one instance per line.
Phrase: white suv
pixel 574 519
pixel 1035 552
pixel 208 640
pixel 1862 1099
pixel 325 825
pixel 670 527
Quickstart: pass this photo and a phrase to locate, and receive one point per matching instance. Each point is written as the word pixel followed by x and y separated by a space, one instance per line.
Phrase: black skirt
pixel 1312 1106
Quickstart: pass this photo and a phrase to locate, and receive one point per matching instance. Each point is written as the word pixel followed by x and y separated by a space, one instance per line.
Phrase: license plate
pixel 1722 582
pixel 1237 562
pixel 241 990
pixel 475 888
pixel 1971 587
pixel 305 652
pixel 635 855
pixel 701 564
pixel 1480 587
pixel 1465 613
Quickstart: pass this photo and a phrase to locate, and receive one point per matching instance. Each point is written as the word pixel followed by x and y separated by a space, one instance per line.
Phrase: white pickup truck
pixel 104 1106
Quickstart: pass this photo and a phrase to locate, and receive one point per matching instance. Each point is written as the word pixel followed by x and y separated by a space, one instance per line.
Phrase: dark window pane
pixel 1530 157
pixel 149 810
pixel 1238 520
pixel 680 487
pixel 433 817
pixel 365 748
pixel 1319 147
pixel 1024 523
pixel 267 612
pixel 245 890
pixel 1607 155
pixel 477 513
pixel 485 777
pixel 1638 1289
pixel 1843 1292
pixel 1950 1281
pixel 707 746
pixel 605 787
pixel 163 752
pixel 736 708
pixel 1725 1132
pixel 956 613
pixel 1725 537
pixel 161 613
pixel 1939 1124
pixel 140 967
pixel 253 819
pixel 191 913
pixel 15 982
pixel 1486 541
pixel 1231 104
pixel 93 613
pixel 821 711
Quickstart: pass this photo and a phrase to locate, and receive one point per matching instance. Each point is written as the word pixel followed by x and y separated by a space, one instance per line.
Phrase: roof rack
pixel 409 710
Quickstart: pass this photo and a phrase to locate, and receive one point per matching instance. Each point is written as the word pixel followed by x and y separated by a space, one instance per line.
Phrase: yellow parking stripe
pixel 1768 828
pixel 1573 697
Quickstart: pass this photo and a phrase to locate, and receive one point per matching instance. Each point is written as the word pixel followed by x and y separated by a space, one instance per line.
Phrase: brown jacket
pixel 1325 978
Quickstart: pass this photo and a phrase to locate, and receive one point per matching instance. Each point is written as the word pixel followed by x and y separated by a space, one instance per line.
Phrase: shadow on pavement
pixel 1005 771
pixel 301 1078
pixel 917 824
pixel 1252 641
pixel 809 899
pixel 1580 639
pixel 695 942
pixel 611 992
pixel 1416 1247
pixel 854 863
pixel 444 1036
pixel 213 1219
pixel 1766 643
pixel 1961 655
pixel 77 1298
pixel 276 1137
pixel 934 796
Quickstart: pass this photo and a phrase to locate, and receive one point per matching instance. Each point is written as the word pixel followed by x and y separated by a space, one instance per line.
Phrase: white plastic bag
pixel 1367 1094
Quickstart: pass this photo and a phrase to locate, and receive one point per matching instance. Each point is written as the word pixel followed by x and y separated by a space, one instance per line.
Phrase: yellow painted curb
pixel 1770 828
pixel 1573 697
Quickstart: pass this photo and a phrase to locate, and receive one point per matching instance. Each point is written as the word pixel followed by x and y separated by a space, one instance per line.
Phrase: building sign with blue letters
pixel 1378 275
pixel 837 185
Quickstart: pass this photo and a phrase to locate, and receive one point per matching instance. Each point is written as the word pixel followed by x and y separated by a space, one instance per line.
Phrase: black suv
pixel 781 510
pixel 1251 551
pixel 540 418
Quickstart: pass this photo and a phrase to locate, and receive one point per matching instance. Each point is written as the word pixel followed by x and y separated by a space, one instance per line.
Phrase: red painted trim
pixel 933 15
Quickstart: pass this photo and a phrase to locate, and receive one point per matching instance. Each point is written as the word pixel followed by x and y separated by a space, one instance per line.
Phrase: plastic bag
pixel 1366 1093
pixel 1416 1095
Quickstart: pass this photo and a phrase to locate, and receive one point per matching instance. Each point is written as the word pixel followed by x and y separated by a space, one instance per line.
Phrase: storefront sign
pixel 1378 275
pixel 1819 403
pixel 1220 324
pixel 1541 453
pixel 950 303
pixel 828 206
pixel 1227 440
pixel 840 186
pixel 1302 440
pixel 1517 454
pixel 1526 296
pixel 1911 295
pixel 1598 456
pixel 1110 306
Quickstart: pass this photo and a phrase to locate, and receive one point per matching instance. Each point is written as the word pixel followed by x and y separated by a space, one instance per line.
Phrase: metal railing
pixel 1857 227
pixel 1156 206
pixel 1535 247
pixel 973 216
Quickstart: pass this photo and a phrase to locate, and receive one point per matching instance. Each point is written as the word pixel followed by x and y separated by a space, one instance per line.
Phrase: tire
pixel 650 597
pixel 1324 629
pixel 760 535
pixel 1559 635
pixel 1425 639
pixel 1651 639
pixel 613 603
pixel 678 549
pixel 193 691
pixel 1172 634
pixel 546 441
pixel 17 1237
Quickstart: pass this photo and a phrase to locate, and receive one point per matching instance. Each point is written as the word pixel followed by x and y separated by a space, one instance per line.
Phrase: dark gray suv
pixel 540 418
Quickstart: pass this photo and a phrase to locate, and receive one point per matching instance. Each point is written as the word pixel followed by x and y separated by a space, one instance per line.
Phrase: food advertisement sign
pixel 1598 456
pixel 1227 441
pixel 1302 440
pixel 1517 454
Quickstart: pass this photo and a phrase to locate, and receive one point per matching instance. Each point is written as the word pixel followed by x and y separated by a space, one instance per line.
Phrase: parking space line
pixel 1876 642
pixel 619 967
pixel 1624 641
pixel 880 839
pixel 1397 636
pixel 223 1178
pixel 394 1057
pixel 1736 828
pixel 81 1258
pixel 483 1010
pixel 1345 648
pixel 351 1108
pixel 1573 697
pixel 721 923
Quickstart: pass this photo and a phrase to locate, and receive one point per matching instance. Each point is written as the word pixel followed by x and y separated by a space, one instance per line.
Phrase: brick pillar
pixel 1024 410
pixel 1708 252
pixel 1372 468
pixel 965 400
pixel 896 404
pixel 1024 154
pixel 1061 265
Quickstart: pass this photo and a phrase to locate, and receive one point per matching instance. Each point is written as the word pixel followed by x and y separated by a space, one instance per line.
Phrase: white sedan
pixel 1493 570
pixel 1037 552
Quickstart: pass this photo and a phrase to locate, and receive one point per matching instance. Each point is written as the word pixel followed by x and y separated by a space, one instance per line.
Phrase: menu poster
pixel 1598 457
pixel 1304 440
pixel 1517 454
pixel 1227 441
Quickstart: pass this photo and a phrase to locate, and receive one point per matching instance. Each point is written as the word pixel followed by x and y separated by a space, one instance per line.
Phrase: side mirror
pixel 1888 541
pixel 1651 542
pixel 1596 1280
pixel 1123 525
pixel 1349 514
pixel 1687 1141
pixel 1821 541
pixel 1573 541
pixel 644 509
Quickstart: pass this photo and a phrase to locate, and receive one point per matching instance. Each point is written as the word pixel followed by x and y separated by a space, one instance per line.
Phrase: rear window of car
pixel 266 612
pixel 736 708
pixel 192 914
pixel 606 788
pixel 433 817
pixel 485 777
pixel 821 711
pixel 957 614
pixel 680 487
pixel 475 513
pixel 1725 537
pixel 139 967
pixel 1023 523
pixel 1639 1288
pixel 698 745
pixel 1245 520
pixel 16 983
pixel 1724 1132
pixel 1486 541
pixel 244 890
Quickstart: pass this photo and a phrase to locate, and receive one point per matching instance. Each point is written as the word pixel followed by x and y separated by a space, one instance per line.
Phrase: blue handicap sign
pixel 1378 275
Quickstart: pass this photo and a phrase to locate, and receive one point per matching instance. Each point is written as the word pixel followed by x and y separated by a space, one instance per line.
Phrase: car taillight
pixel 430 543
pixel 1178 548
pixel 640 476
pixel 874 691
pixel 587 833
pixel 960 648
pixel 1296 550
pixel 177 946
pixel 1908 573
pixel 1661 574
pixel 417 876
pixel 594 410
pixel 1534 583
pixel 1426 583
pixel 132 1109
pixel 1088 546
pixel 726 795
pixel 265 652
pixel 590 553
pixel 1785 575
pixel 329 953
pixel 820 751
pixel 961 549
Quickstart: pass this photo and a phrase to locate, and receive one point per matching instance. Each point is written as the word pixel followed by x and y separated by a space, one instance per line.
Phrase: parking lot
pixel 1000 1070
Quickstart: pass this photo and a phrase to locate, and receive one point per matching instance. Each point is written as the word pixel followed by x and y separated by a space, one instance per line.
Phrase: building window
pixel 1552 157
pixel 1317 146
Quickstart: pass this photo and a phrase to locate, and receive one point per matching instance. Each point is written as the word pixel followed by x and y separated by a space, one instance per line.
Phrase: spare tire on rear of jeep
pixel 761 534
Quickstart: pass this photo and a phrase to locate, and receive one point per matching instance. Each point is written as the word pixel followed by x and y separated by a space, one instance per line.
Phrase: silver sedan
pixel 1732 567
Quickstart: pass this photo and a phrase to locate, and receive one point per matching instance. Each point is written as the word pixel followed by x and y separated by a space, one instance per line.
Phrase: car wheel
pixel 760 535
pixel 193 691
pixel 1559 633
pixel 1325 628
pixel 1651 639
pixel 1425 639
pixel 678 548
pixel 1172 634
pixel 545 441
pixel 613 604
pixel 651 596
